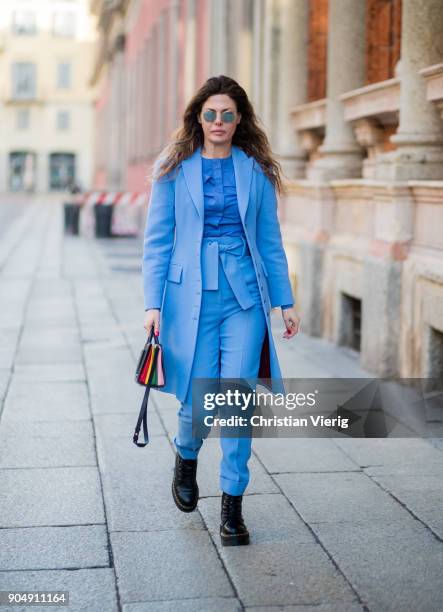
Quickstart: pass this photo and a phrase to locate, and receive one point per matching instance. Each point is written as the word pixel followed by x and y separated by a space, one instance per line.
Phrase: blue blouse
pixel 221 216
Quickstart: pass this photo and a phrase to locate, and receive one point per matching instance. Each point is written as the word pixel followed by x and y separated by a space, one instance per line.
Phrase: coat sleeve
pixel 158 240
pixel 270 246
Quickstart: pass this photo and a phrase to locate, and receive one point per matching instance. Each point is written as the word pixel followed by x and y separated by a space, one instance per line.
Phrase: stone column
pixel 257 55
pixel 174 19
pixel 161 91
pixel 245 46
pixel 190 50
pixel 341 156
pixel 269 73
pixel 420 134
pixel 292 74
pixel 219 35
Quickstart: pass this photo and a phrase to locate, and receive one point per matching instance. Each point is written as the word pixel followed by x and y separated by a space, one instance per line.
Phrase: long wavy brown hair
pixel 249 135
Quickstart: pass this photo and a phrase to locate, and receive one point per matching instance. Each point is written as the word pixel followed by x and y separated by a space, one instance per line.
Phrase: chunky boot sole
pixel 178 502
pixel 237 539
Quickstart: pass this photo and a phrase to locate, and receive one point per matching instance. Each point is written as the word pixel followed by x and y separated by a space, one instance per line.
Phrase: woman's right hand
pixel 152 318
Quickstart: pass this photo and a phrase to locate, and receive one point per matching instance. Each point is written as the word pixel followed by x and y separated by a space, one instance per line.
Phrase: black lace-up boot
pixel 233 530
pixel 184 485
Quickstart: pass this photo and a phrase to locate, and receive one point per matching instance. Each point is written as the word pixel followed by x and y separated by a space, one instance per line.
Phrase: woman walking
pixel 213 266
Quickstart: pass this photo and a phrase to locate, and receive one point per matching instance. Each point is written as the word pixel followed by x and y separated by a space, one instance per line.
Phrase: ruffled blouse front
pixel 222 217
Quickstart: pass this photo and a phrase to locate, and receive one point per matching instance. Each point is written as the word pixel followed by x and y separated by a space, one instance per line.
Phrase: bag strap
pixel 151 335
pixel 142 417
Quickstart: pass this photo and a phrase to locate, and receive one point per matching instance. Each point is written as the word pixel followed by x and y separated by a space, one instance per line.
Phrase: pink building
pixel 151 56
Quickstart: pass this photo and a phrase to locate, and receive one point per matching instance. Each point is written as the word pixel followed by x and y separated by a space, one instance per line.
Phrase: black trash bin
pixel 72 216
pixel 103 220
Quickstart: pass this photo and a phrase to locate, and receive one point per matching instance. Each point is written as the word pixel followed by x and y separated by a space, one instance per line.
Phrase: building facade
pixel 46 103
pixel 350 93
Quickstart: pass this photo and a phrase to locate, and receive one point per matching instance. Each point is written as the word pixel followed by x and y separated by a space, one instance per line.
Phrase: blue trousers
pixel 228 345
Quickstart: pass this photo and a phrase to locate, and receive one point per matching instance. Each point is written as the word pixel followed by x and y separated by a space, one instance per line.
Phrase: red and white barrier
pixel 87 217
pixel 127 216
pixel 128 212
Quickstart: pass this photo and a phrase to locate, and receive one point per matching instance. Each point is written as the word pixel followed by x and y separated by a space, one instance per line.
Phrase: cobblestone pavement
pixel 336 525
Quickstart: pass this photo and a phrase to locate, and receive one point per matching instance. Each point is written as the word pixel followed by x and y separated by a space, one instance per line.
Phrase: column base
pixel 418 156
pixel 336 163
pixel 293 165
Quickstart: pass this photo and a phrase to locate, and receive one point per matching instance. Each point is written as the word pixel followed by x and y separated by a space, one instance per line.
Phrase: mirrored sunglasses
pixel 226 116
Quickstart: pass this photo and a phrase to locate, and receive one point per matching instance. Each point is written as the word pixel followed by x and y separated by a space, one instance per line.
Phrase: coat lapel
pixel 192 170
pixel 243 175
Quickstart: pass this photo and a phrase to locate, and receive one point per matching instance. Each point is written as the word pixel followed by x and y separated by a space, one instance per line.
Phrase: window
pixel 22 119
pixel 64 75
pixel 63 24
pixel 350 326
pixel 22 171
pixel 63 120
pixel 61 170
pixel 23 23
pixel 23 80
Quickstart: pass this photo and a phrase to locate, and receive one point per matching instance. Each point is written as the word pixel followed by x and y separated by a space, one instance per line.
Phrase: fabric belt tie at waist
pixel 230 252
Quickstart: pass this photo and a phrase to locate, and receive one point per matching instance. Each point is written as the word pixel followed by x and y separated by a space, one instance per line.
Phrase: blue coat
pixel 172 275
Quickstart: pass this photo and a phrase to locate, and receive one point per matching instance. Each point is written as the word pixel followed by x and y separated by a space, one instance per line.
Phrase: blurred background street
pixel 350 93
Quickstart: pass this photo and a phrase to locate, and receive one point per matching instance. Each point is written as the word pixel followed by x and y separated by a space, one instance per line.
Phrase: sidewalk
pixel 336 525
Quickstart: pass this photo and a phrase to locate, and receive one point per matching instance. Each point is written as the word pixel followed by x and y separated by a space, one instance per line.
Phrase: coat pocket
pixel 175 272
pixel 264 268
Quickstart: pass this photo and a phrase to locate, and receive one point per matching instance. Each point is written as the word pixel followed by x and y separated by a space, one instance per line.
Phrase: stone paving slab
pixel 137 486
pixel 49 372
pixel 302 455
pixel 46 401
pixel 145 572
pixel 51 288
pixel 55 337
pixel 203 604
pixel 436 442
pixel 342 606
pixel 66 354
pixel 111 380
pixel 122 424
pixel 54 547
pixel 340 497
pixel 6 359
pixel 90 590
pixel 393 455
pixel 5 375
pixel 422 494
pixel 102 333
pixel 43 319
pixel 393 566
pixel 50 496
pixel 433 520
pixel 43 306
pixel 283 563
pixel 9 338
pixel 46 444
pixel 16 289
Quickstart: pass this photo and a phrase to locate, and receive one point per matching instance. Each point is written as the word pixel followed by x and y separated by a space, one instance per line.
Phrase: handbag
pixel 151 374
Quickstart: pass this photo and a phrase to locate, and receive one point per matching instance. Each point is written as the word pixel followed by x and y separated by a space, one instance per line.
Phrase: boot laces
pixel 186 469
pixel 232 507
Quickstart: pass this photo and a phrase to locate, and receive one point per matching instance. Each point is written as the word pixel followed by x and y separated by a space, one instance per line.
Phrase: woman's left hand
pixel 292 322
